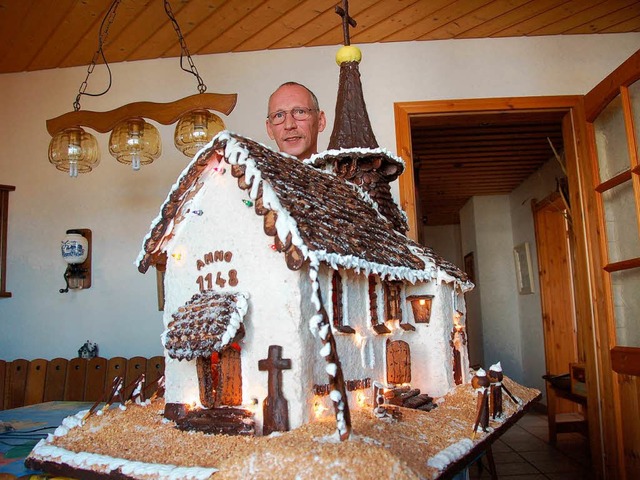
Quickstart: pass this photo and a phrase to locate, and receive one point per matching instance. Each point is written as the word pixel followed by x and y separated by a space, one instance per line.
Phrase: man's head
pixel 294 120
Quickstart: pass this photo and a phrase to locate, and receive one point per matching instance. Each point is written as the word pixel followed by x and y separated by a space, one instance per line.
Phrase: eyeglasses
pixel 298 113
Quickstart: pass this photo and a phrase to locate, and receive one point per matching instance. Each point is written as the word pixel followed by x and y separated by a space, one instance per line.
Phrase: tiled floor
pixel 523 453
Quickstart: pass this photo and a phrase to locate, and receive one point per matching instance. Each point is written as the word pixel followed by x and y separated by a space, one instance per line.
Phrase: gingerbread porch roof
pixel 312 214
pixel 205 324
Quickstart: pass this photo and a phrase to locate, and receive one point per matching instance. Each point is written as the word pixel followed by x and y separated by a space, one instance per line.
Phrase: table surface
pixel 34 422
pixel 30 424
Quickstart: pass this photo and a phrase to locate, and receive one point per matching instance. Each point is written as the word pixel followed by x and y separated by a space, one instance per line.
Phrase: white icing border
pixel 45 451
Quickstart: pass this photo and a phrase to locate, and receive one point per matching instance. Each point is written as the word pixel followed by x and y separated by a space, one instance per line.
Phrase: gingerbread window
pixel 421 307
pixel 337 304
pixel 393 304
pixel 378 326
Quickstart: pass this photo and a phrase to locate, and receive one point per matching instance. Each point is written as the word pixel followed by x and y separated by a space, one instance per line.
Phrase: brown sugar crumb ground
pixel 377 448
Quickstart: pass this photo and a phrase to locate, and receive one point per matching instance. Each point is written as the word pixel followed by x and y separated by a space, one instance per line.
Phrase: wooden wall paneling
pixel 3 377
pixel 136 366
pixel 116 367
pixel 74 383
pixel 155 369
pixel 55 379
pixel 17 382
pixel 95 384
pixel 36 374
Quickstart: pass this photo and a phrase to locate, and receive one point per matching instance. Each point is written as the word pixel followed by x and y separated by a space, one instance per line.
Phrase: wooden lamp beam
pixel 163 113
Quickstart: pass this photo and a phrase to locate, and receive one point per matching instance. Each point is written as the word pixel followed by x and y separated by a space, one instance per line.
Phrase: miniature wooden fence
pixel 24 382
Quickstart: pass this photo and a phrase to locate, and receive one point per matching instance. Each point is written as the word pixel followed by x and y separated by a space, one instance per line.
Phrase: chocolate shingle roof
pixel 313 214
pixel 205 324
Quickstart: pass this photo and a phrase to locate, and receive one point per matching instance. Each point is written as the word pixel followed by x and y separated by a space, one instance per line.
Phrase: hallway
pixel 523 453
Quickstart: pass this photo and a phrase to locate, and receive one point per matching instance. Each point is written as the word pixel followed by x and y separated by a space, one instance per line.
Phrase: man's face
pixel 295 137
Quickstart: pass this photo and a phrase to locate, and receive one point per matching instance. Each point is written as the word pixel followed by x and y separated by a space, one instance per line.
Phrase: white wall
pixel 469 246
pixel 119 312
pixel 507 325
pixel 444 239
pixel 495 272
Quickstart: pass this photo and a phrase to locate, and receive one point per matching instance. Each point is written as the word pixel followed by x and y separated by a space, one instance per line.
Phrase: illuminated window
pixel 378 327
pixel 336 302
pixel 421 306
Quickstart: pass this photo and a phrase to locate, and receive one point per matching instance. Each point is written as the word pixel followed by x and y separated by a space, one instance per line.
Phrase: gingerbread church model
pixel 291 288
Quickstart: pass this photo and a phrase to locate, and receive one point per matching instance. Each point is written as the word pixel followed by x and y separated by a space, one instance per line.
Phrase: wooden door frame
pixel 614 359
pixel 589 301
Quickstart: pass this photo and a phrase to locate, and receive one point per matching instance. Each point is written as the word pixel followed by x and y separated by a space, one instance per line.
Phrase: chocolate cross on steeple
pixel 346 20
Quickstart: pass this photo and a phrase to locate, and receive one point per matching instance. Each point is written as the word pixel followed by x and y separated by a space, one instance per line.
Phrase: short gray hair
pixel 314 99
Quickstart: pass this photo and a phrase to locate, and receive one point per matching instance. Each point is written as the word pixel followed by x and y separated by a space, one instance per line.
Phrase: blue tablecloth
pixel 31 424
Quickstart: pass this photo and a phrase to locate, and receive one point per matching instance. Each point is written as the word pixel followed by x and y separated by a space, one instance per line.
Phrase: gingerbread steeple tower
pixel 353 152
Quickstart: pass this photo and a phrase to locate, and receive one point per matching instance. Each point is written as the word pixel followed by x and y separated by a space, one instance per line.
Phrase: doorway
pixel 571 109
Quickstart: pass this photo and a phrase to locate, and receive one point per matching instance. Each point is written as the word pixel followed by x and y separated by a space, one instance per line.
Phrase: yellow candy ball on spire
pixel 348 53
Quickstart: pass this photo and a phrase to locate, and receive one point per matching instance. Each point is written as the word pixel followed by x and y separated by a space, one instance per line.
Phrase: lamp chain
pixel 184 50
pixel 102 38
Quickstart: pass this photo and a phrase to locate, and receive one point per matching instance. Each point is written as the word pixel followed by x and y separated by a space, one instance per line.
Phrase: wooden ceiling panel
pixel 421 29
pixel 630 25
pixel 138 30
pixel 60 43
pixel 36 24
pixel 539 21
pixel 403 18
pixel 256 21
pixel 607 21
pixel 86 45
pixel 368 18
pixel 322 23
pixel 575 15
pixel 291 20
pixel 165 38
pixel 482 16
pixel 508 19
pixel 40 34
pixel 458 156
pixel 214 25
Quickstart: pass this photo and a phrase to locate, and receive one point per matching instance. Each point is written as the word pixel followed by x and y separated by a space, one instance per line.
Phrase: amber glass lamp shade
pixel 135 142
pixel 195 129
pixel 75 151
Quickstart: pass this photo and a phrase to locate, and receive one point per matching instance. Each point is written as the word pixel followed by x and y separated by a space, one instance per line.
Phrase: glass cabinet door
pixel 616 131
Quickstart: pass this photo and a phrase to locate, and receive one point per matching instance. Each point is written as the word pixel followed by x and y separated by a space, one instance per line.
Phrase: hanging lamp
pixel 195 129
pixel 133 139
pixel 135 142
pixel 75 151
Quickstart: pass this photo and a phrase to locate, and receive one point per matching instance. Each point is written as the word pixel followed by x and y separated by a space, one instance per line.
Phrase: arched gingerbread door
pixel 398 362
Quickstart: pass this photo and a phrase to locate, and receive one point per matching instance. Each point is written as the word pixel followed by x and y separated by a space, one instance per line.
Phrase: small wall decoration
pixel 88 350
pixel 522 258
pixel 4 223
